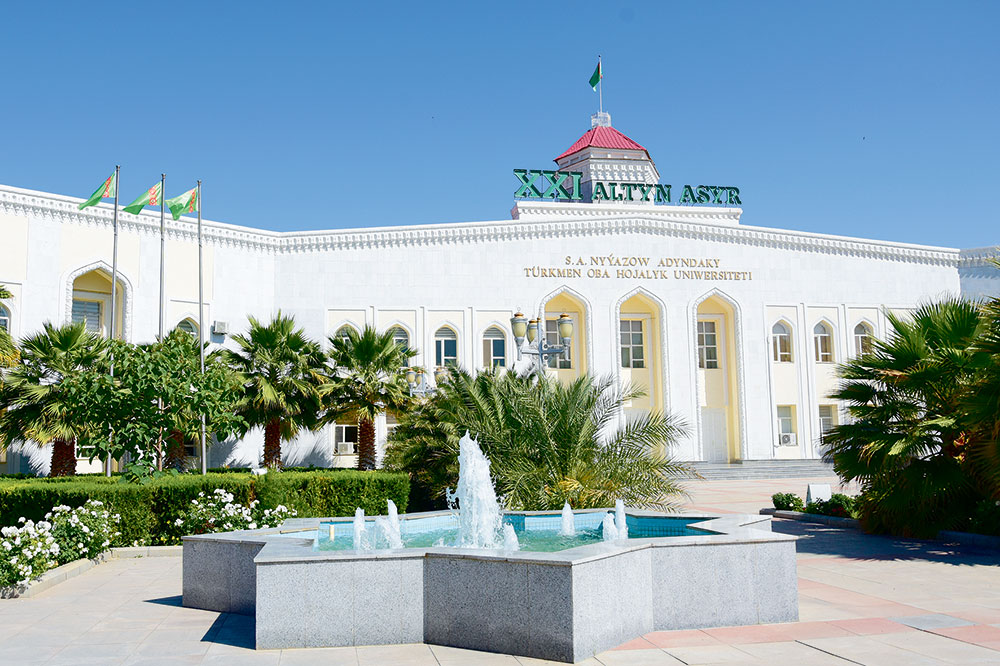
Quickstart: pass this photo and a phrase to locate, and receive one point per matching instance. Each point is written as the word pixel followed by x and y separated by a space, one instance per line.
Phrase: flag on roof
pixel 596 77
pixel 150 197
pixel 107 189
pixel 185 203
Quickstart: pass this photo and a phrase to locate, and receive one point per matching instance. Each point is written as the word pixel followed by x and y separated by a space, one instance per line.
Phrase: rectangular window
pixel 786 419
pixel 88 312
pixel 494 352
pixel 633 353
pixel 446 351
pixel 552 338
pixel 345 440
pixel 823 340
pixel 708 345
pixel 827 419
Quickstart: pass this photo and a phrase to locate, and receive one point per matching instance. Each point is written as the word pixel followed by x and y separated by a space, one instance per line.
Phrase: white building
pixel 737 329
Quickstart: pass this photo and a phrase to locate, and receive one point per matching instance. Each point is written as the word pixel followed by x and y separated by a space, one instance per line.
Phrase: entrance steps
pixel 764 469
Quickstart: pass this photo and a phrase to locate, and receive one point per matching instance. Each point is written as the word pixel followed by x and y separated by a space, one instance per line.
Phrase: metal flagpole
pixel 201 326
pixel 163 190
pixel 114 289
pixel 600 83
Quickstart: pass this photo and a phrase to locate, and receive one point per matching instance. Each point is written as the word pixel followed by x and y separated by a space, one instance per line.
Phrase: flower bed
pixel 30 549
pixel 150 511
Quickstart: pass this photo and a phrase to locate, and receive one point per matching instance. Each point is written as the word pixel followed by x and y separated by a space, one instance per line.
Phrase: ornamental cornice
pixel 978 256
pixel 532 220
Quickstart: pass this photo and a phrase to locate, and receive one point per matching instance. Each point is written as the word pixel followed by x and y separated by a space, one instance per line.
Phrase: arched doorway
pixel 578 363
pixel 640 353
pixel 89 300
pixel 717 362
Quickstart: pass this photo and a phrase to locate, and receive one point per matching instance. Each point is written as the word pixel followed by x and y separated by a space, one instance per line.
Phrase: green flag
pixel 185 203
pixel 596 77
pixel 150 197
pixel 107 189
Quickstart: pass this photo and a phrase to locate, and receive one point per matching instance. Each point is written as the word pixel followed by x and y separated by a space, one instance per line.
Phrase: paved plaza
pixel 862 600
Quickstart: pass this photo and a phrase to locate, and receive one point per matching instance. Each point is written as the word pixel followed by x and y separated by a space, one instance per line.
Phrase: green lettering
pixel 688 195
pixel 734 196
pixel 527 179
pixel 702 194
pixel 599 192
pixel 662 194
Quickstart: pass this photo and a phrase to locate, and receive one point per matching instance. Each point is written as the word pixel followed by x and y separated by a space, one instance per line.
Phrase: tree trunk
pixel 63 458
pixel 176 455
pixel 366 444
pixel 272 444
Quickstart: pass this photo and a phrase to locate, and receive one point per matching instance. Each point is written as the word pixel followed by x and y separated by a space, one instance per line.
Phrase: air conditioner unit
pixel 220 327
pixel 786 439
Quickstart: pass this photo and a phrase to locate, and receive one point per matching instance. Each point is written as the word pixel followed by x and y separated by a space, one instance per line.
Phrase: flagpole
pixel 201 327
pixel 600 84
pixel 163 191
pixel 114 287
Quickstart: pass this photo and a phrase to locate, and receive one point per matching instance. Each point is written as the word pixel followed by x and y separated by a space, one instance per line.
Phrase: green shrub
pixel 838 506
pixel 787 502
pixel 986 518
pixel 149 511
pixel 83 532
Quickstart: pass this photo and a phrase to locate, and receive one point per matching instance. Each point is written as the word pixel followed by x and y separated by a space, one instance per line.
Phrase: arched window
pixel 4 318
pixel 863 336
pixel 343 332
pixel 445 347
pixel 781 343
pixel 400 337
pixel 823 341
pixel 494 348
pixel 188 327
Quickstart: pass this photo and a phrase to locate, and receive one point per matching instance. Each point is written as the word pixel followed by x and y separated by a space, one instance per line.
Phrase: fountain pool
pixel 536 532
pixel 554 585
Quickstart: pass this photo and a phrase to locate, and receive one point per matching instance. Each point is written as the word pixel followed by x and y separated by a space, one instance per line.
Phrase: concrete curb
pixel 64 572
pixel 832 521
pixel 962 538
pixel 970 539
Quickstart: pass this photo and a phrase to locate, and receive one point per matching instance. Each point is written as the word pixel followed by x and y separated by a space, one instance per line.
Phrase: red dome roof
pixel 603 137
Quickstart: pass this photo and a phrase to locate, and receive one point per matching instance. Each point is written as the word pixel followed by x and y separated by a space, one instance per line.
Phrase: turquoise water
pixel 537 533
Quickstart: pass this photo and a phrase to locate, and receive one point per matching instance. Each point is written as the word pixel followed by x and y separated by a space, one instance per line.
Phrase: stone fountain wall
pixel 564 606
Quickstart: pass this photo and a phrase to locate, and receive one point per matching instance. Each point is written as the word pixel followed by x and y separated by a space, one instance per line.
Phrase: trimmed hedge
pixel 148 511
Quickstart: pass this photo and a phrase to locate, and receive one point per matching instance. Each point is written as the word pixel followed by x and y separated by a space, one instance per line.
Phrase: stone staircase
pixel 765 469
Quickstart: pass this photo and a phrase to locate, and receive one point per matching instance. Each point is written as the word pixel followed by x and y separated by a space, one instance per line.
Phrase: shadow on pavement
pixel 835 541
pixel 175 600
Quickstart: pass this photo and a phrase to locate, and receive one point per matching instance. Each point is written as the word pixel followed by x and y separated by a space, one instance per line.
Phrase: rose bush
pixel 26 552
pixel 83 532
pixel 218 512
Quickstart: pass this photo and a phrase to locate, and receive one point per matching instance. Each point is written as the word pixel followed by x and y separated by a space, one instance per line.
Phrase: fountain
pixel 480 521
pixel 567 527
pixel 621 526
pixel 608 529
pixel 473 577
pixel 359 529
pixel 510 538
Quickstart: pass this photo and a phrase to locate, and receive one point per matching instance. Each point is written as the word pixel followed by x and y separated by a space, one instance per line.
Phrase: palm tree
pixel 548 443
pixel 907 441
pixel 982 404
pixel 35 406
pixel 281 371
pixel 367 371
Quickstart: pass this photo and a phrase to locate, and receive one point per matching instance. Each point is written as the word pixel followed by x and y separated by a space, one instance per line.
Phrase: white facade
pixel 680 271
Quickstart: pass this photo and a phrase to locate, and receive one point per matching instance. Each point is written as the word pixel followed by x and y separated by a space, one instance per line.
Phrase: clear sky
pixel 879 120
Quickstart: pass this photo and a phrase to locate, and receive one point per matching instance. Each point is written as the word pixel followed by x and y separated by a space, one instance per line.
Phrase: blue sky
pixel 877 120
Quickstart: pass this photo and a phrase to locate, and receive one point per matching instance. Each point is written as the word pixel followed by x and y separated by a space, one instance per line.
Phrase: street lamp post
pixel 416 379
pixel 536 346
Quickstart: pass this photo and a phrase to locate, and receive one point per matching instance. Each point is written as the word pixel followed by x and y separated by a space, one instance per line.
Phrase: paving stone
pixel 931 621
